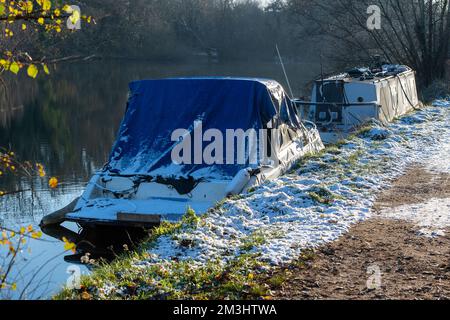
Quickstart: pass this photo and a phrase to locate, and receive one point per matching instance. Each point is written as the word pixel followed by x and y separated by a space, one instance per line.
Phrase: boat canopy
pixel 156 108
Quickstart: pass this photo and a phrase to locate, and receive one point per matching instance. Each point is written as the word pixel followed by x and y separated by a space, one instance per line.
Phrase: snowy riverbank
pixel 274 224
pixel 320 200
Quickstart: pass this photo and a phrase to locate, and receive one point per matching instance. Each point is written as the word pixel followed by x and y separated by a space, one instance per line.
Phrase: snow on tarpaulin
pixel 158 107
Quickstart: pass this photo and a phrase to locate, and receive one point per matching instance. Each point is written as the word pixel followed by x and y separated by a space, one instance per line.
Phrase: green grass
pixel 333 150
pixel 256 239
pixel 307 158
pixel 237 279
pixel 363 131
pixel 277 280
pixel 354 157
pixel 322 195
pixel 277 277
pixel 251 190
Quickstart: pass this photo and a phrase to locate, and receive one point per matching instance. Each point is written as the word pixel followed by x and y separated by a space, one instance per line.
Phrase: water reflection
pixel 68 121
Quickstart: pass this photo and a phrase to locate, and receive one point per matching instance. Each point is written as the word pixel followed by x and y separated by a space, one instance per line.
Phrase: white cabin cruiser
pixel 158 169
pixel 343 103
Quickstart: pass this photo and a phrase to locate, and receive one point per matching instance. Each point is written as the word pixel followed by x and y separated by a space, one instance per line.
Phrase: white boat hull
pixel 153 203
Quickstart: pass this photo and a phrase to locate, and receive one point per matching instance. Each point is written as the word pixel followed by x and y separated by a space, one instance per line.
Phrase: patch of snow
pixel 291 219
pixel 432 217
pixel 439 161
pixel 444 103
pixel 378 133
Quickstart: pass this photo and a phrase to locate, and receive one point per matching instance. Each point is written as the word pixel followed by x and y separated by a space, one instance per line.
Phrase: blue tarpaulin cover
pixel 158 107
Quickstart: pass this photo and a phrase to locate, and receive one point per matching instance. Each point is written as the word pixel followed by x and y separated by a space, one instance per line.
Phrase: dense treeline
pixel 416 33
pixel 175 29
pixel 412 32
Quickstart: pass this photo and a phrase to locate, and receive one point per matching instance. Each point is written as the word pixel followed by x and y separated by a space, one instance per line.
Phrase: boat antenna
pixel 284 71
pixel 321 76
pixel 321 67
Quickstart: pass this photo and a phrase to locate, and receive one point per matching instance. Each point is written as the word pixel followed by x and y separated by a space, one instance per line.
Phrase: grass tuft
pixel 322 195
pixel 256 239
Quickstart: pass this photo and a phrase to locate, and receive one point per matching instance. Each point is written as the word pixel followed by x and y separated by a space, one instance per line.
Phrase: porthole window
pixel 360 99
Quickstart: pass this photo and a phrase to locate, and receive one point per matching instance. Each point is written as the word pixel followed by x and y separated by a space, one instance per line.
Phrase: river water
pixel 68 122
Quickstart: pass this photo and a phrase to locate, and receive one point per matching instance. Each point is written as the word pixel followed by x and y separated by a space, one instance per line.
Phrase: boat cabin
pixel 341 104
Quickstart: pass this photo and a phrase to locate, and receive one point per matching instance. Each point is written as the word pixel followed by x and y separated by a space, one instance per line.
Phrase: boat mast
pixel 284 71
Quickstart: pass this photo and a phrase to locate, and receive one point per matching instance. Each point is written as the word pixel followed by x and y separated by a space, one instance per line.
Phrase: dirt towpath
pixel 380 258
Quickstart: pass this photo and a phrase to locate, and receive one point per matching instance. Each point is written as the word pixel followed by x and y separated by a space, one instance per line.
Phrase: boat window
pixel 360 99
pixel 334 116
pixel 322 115
pixel 329 95
pixel 332 91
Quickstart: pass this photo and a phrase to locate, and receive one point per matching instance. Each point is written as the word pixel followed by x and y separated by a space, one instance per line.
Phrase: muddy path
pixel 379 258
pixel 416 186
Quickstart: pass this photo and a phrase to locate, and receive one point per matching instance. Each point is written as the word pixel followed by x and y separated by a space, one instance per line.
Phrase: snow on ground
pixel 439 162
pixel 432 217
pixel 287 215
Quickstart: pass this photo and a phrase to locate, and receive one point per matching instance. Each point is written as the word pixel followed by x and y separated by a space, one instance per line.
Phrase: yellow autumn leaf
pixel 67 9
pixel 68 245
pixel 30 6
pixel 36 235
pixel 75 17
pixel 14 68
pixel 44 66
pixel 46 4
pixel 41 20
pixel 53 182
pixel 32 71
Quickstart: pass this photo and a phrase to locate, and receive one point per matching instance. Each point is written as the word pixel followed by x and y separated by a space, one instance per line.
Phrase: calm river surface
pixel 68 122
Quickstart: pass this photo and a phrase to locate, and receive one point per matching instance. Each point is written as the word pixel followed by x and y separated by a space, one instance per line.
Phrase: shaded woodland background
pixel 226 32
pixel 414 32
pixel 183 29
